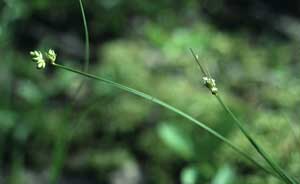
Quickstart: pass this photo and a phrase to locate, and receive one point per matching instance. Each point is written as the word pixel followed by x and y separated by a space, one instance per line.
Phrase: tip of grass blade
pixel 196 57
pixel 203 69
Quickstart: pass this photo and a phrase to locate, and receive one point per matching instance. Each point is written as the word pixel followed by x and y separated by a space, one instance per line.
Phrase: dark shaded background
pixel 103 135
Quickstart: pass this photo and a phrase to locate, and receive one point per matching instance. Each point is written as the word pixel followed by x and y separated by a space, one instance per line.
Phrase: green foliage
pixel 190 175
pixel 177 140
pixel 225 175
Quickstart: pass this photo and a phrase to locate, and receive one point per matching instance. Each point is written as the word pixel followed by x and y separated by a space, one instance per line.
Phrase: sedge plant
pixel 50 57
pixel 210 83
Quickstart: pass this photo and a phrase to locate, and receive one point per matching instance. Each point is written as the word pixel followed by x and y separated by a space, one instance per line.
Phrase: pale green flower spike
pixel 38 58
pixel 210 83
pixel 51 55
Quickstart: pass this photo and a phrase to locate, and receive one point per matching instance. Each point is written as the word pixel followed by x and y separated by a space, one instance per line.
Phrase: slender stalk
pixel 86 62
pixel 267 158
pixel 87 50
pixel 205 72
pixel 87 41
pixel 169 107
pixel 59 155
pixel 61 144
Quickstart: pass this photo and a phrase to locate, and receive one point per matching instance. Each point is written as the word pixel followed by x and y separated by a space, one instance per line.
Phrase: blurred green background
pixel 251 47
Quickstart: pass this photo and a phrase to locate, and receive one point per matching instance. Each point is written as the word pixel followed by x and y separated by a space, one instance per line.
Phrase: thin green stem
pixel 87 41
pixel 87 59
pixel 62 143
pixel 267 158
pixel 59 154
pixel 170 107
pixel 87 50
pixel 205 72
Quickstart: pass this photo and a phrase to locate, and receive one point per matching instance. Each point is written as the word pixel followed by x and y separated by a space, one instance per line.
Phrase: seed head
pixel 210 83
pixel 37 57
pixel 51 55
